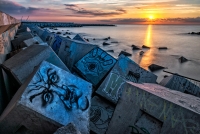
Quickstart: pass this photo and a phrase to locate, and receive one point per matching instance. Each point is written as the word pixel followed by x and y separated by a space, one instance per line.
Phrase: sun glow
pixel 151 17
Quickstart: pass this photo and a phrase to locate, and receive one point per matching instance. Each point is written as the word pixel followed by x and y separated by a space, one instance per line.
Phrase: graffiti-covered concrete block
pixel 68 129
pixel 151 108
pixel 31 41
pixel 95 65
pixel 178 83
pixel 50 98
pixel 56 43
pixel 23 63
pixel 17 43
pixel 124 70
pixel 72 51
pixel 79 38
pixel 100 115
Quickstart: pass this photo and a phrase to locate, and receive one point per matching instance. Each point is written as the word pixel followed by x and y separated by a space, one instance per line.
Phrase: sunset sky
pixel 106 11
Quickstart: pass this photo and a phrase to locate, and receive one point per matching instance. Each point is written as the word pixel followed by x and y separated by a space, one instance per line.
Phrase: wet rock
pixel 145 47
pixel 115 42
pixel 125 53
pixel 162 48
pixel 58 33
pixel 182 59
pixel 135 47
pixel 154 67
pixel 105 44
pixel 68 37
pixel 94 39
pixel 52 32
pixel 111 51
pixel 141 52
pixel 68 129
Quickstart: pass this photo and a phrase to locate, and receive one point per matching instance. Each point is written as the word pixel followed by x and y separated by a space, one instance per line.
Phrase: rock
pixel 58 33
pixel 154 67
pixel 178 83
pixel 145 47
pixel 68 37
pixel 115 42
pixel 94 39
pixel 141 52
pixel 135 47
pixel 145 109
pixel 52 32
pixel 105 44
pixel 95 65
pixel 182 59
pixel 68 129
pixel 162 48
pixel 125 53
pixel 124 70
pixel 108 38
pixel 105 39
pixel 111 51
pixel 51 97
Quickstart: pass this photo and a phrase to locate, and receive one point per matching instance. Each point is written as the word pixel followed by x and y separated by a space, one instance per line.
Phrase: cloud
pixel 155 21
pixel 88 12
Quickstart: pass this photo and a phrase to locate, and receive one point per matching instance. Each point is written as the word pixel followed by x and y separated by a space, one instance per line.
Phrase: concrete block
pixel 31 41
pixel 181 84
pixel 68 129
pixel 17 43
pixel 79 38
pixel 3 93
pixel 151 108
pixel 56 43
pixel 45 36
pixel 50 98
pixel 38 31
pixel 11 54
pixel 100 115
pixel 22 29
pixel 51 39
pixel 72 51
pixel 23 63
pixel 95 65
pixel 124 70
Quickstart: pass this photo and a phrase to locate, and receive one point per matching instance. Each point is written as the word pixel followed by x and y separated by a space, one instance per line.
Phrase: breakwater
pixel 51 81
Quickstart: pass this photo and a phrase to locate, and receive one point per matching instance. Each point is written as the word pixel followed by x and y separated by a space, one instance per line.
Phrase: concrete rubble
pixel 53 84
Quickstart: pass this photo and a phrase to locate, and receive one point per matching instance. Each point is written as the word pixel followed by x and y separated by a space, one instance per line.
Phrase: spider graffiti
pixel 47 87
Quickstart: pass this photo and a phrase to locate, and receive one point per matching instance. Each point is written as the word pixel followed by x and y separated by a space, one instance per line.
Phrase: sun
pixel 151 17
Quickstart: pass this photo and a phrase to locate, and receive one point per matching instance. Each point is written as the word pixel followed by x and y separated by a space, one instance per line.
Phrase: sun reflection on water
pixel 147 59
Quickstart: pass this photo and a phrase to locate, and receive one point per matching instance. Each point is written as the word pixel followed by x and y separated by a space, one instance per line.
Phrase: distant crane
pixel 27 18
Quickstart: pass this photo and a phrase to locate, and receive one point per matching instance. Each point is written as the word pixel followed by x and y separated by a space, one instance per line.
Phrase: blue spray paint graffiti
pixel 56 44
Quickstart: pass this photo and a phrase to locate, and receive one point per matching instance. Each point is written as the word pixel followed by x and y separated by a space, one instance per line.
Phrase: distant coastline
pixel 63 24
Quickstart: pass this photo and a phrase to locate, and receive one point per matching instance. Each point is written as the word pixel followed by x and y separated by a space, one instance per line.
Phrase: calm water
pixel 174 37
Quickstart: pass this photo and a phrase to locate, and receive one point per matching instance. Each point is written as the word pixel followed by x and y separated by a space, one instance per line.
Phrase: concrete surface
pixel 124 70
pixel 23 63
pixel 79 38
pixel 31 41
pixel 49 98
pixel 181 84
pixel 151 108
pixel 100 115
pixel 68 129
pixel 71 51
pixel 95 65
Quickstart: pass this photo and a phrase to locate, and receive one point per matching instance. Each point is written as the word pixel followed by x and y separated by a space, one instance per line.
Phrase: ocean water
pixel 174 37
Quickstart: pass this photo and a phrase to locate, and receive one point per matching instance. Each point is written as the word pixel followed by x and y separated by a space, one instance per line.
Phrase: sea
pixel 174 37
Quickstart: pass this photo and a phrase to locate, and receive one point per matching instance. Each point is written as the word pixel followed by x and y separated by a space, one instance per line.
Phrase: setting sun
pixel 151 17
